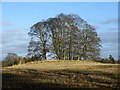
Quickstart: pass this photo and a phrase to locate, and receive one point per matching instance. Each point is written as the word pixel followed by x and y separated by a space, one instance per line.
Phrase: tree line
pixel 13 59
pixel 64 37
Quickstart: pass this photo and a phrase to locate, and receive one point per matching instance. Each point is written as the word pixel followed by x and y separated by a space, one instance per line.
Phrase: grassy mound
pixel 61 74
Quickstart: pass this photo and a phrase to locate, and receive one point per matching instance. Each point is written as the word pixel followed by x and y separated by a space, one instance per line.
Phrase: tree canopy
pixel 67 37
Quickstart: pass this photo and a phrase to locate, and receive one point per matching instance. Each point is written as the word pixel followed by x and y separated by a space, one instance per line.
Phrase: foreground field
pixel 62 74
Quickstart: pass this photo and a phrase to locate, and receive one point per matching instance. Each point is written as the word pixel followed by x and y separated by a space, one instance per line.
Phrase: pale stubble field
pixel 61 74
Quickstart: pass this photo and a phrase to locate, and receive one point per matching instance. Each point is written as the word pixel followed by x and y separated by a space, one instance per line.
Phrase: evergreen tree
pixel 111 59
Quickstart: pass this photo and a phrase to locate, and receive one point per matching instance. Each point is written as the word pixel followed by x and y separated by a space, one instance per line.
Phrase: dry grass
pixel 65 74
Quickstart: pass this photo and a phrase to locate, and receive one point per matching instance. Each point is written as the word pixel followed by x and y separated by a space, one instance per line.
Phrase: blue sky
pixel 18 17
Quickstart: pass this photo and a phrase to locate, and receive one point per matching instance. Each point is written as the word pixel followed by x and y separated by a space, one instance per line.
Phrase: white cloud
pixel 109 37
pixel 110 49
pixel 109 44
pixel 15 41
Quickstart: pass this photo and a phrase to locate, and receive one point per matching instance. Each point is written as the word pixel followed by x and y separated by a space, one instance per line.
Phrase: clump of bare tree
pixel 66 37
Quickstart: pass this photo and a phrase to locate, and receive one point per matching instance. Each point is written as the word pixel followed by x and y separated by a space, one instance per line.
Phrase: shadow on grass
pixel 16 81
pixel 31 78
pixel 113 82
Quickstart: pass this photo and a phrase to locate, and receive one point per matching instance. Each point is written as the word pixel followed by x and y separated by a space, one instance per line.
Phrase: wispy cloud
pixel 110 21
pixel 113 29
